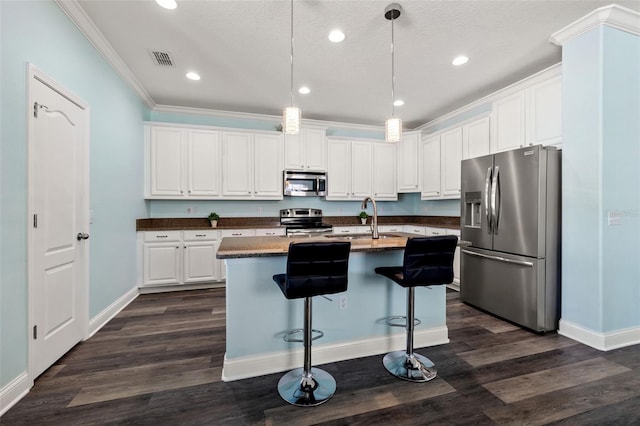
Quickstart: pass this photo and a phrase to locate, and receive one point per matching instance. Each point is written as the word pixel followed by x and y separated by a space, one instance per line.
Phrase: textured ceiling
pixel 241 50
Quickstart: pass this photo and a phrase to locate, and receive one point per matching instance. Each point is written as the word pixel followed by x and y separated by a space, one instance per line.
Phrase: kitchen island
pixel 353 322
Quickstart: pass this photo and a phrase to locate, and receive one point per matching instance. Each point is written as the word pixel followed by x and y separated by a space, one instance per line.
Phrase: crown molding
pixel 550 72
pixel 74 11
pixel 613 15
pixel 276 119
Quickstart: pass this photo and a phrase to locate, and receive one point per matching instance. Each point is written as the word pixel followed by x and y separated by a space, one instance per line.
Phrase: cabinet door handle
pixel 236 234
pixel 161 236
pixel 201 235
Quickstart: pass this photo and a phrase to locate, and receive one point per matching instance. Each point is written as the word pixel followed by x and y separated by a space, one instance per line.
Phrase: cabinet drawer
pixel 413 229
pixel 201 235
pixel 238 233
pixel 390 228
pixel 431 232
pixel 162 236
pixel 270 232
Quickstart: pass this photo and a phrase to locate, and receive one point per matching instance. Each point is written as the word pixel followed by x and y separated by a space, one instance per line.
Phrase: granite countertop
pixel 246 247
pixel 177 224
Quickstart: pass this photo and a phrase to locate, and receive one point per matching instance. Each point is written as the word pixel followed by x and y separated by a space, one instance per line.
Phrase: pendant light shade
pixel 393 130
pixel 291 115
pixel 393 126
pixel 291 120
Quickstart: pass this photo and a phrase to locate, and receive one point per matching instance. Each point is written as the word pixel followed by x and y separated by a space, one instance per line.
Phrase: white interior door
pixel 58 249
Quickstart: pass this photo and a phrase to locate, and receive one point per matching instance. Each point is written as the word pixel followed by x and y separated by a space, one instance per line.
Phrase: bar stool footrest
pixel 392 321
pixel 287 338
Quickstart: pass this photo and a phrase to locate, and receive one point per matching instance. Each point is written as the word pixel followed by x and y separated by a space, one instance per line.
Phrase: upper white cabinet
pixel 199 163
pixel 251 166
pixel 408 165
pixel 528 117
pixel 182 163
pixel 476 140
pixel 358 169
pixel 306 150
pixel 440 157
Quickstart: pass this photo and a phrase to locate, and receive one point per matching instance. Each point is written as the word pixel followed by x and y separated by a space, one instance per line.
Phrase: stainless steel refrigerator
pixel 510 212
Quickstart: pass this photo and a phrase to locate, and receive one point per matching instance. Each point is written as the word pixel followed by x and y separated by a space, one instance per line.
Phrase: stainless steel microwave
pixel 304 184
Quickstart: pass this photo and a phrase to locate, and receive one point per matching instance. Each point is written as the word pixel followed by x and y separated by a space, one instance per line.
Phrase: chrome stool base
pixel 307 391
pixel 413 368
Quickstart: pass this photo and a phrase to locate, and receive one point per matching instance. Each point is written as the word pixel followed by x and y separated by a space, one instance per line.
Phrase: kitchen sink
pixel 361 236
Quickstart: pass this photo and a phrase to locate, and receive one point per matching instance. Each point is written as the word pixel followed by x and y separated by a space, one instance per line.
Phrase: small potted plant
pixel 363 217
pixel 213 218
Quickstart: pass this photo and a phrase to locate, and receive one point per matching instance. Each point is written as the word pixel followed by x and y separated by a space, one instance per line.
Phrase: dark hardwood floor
pixel 159 362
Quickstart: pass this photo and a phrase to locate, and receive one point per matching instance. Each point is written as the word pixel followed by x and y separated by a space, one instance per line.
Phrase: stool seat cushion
pixel 427 261
pixel 315 269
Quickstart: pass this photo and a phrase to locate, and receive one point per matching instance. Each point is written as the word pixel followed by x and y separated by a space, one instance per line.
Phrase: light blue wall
pixel 601 163
pixel 40 33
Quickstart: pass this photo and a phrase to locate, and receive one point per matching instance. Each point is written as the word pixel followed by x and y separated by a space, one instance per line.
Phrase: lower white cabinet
pixel 413 229
pixel 456 260
pixel 179 257
pixel 270 232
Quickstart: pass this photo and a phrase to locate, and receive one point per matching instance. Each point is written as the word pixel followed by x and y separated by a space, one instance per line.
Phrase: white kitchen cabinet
pixel 441 156
pixel 430 171
pixel 358 169
pixel 180 257
pixel 306 150
pixel 181 163
pixel 358 229
pixel 528 117
pixel 338 169
pixel 476 140
pixel 431 231
pixel 251 166
pixel 390 228
pixel 162 253
pixel 544 113
pixel 383 172
pixel 408 170
pixel 450 157
pixel 199 260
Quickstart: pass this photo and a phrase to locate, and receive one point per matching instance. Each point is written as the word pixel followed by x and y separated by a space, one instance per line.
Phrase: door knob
pixel 82 236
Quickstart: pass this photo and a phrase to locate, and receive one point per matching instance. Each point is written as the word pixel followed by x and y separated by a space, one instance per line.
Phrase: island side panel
pixel 258 314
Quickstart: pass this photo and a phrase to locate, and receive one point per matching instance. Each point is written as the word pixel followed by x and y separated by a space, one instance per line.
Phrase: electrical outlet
pixel 343 301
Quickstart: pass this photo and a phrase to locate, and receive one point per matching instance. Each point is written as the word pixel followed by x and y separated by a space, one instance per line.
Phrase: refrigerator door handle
pixel 487 207
pixel 494 205
pixel 498 258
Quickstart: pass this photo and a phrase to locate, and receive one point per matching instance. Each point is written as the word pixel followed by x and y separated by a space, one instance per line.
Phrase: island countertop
pixel 242 247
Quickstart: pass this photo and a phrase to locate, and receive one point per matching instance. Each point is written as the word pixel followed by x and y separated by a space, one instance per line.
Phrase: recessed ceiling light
pixel 167 4
pixel 460 60
pixel 193 76
pixel 304 90
pixel 336 36
pixel 398 102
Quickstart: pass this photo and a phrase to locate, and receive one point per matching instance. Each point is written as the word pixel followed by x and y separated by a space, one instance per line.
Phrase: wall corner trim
pixel 613 15
pixel 601 341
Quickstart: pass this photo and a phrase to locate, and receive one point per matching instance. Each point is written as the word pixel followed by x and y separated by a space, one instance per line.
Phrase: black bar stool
pixel 313 269
pixel 427 261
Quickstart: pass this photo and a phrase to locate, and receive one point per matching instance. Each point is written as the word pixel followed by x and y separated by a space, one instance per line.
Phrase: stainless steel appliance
pixel 304 222
pixel 510 212
pixel 304 184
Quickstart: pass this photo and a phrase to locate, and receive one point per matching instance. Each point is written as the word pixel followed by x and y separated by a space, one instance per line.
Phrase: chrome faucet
pixel 374 222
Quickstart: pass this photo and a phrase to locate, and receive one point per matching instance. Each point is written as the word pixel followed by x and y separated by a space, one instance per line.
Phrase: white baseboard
pixel 14 391
pixel 245 367
pixel 97 322
pixel 597 340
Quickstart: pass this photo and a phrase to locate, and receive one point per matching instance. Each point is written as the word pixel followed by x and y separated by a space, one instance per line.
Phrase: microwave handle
pixel 317 185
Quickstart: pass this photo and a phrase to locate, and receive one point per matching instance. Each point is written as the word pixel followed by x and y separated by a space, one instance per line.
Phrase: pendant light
pixel 393 126
pixel 291 115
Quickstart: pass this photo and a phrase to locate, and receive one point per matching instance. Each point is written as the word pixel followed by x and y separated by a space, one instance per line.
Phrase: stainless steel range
pixel 304 222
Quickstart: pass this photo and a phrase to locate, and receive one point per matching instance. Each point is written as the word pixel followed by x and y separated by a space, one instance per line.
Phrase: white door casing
pixel 58 143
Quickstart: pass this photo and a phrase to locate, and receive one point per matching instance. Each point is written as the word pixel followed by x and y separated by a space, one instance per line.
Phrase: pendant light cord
pixel 393 106
pixel 292 103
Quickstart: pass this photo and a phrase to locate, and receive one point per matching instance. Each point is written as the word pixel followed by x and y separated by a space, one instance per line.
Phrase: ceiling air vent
pixel 162 59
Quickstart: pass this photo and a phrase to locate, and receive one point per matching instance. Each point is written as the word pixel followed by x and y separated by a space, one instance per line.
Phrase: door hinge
pixel 35 220
pixel 35 332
